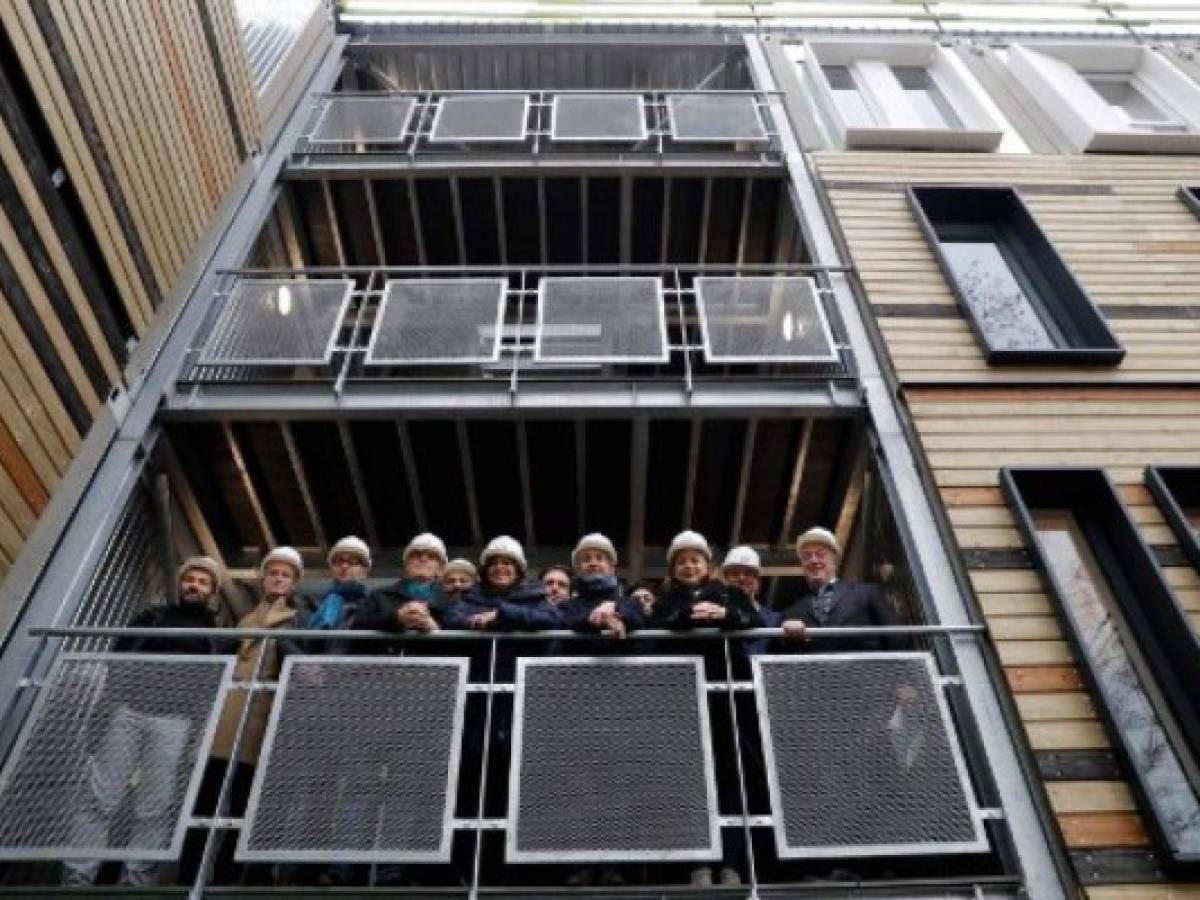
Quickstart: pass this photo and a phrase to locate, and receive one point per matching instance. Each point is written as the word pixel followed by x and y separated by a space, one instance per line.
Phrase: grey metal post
pixel 930 556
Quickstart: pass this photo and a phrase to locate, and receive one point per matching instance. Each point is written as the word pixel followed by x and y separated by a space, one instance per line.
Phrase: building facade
pixel 926 283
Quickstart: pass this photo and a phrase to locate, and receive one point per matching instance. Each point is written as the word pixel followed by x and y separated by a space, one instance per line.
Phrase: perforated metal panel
pixel 598 117
pixel 601 320
pixel 715 118
pixel 862 758
pixel 763 319
pixel 110 759
pixel 358 763
pixel 612 759
pixel 364 120
pixel 438 321
pixel 480 118
pixel 279 321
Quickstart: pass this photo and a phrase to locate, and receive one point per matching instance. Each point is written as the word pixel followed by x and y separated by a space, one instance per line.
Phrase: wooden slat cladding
pixel 1117 222
pixel 967 434
pixel 122 128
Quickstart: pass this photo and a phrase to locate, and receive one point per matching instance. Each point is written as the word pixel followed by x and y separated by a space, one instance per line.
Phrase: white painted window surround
pixel 1165 118
pixel 893 119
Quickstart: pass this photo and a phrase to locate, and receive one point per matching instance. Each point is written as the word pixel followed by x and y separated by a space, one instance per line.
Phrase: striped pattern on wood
pixel 968 433
pixel 1117 222
pixel 122 127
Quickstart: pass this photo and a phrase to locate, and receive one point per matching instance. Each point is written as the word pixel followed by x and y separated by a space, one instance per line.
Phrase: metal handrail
pixel 447 634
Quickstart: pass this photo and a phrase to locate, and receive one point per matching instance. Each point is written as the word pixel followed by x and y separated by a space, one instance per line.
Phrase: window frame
pixel 1055 294
pixel 1148 614
pixel 1159 481
pixel 1055 76
pixel 885 98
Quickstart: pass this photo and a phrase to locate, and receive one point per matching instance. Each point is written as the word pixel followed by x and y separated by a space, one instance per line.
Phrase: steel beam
pixel 409 460
pixel 693 465
pixel 743 487
pixel 239 462
pixel 306 496
pixel 639 452
pixel 789 513
pixel 356 479
pixel 468 472
pixel 526 482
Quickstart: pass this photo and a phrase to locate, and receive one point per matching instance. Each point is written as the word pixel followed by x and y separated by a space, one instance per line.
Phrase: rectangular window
pixel 926 98
pixel 1023 303
pixel 1129 634
pixel 847 96
pixel 1132 100
pixel 910 95
pixel 1176 489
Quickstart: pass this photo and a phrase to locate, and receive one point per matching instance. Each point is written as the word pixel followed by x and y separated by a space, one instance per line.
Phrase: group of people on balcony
pixel 434 593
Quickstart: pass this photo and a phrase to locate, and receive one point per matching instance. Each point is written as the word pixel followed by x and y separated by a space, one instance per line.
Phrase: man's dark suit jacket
pixel 853 604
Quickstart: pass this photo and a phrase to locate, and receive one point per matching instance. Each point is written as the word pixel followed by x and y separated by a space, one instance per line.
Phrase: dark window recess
pixel 1176 489
pixel 1020 298
pixel 1191 196
pixel 1130 635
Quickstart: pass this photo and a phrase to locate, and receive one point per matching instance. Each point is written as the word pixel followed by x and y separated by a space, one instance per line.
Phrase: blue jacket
pixel 592 590
pixel 523 608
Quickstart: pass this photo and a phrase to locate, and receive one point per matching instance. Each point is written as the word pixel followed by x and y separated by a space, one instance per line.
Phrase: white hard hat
pixel 355 546
pixel 594 541
pixel 819 536
pixel 426 541
pixel 460 565
pixel 203 564
pixel 289 555
pixel 742 556
pixel 688 540
pixel 504 546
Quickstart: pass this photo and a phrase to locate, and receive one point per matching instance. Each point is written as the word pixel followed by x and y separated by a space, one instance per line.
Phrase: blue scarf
pixel 424 591
pixel 328 616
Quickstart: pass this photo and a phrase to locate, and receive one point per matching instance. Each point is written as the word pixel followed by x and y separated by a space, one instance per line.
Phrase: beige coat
pixel 280 614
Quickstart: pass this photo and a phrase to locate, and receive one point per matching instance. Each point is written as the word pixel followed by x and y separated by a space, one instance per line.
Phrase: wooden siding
pixel 1135 248
pixel 1117 222
pixel 122 127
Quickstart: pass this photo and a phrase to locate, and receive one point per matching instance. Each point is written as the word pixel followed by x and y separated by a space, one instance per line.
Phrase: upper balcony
pixel 566 106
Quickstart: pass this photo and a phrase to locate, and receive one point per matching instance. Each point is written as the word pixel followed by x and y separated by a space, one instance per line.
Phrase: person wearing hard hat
pixel 829 602
pixel 349 565
pixel 144 725
pixel 597 602
pixel 414 601
pixel 502 601
pixel 692 598
pixel 742 569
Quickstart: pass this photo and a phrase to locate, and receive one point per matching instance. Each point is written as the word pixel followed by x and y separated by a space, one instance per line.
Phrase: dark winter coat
pixel 588 592
pixel 853 605
pixel 180 614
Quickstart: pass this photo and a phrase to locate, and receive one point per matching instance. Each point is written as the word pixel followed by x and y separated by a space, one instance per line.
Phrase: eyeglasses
pixel 556 582
pixel 806 555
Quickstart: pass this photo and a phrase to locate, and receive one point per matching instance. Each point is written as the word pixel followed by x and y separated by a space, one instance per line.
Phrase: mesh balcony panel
pixel 598 117
pixel 715 117
pixel 862 757
pixel 278 322
pixel 467 118
pixel 449 320
pixel 364 120
pixel 600 773
pixel 358 763
pixel 110 760
pixel 614 320
pixel 755 320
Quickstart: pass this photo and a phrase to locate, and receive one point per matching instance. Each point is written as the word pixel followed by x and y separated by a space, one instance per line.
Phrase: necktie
pixel 823 603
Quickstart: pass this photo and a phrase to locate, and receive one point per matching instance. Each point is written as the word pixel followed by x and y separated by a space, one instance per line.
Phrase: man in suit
pixel 830 602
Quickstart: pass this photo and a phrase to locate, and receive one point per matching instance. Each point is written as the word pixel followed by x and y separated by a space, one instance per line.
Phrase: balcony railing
pixel 362 329
pixel 481 759
pixel 613 127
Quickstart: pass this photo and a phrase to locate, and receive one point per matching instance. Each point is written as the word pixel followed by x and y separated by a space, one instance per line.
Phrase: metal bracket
pixel 499 687
pixel 485 824
pixel 740 821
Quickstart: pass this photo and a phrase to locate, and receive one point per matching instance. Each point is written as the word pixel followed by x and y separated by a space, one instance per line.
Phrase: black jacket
pixel 853 604
pixel 673 610
pixel 174 615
